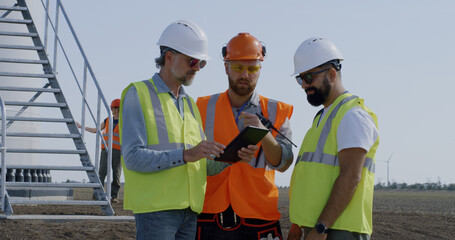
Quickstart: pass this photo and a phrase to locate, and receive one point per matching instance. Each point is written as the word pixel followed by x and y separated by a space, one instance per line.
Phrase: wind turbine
pixel 388 160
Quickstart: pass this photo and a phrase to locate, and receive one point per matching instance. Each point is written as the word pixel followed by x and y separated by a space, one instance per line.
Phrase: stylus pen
pixel 268 124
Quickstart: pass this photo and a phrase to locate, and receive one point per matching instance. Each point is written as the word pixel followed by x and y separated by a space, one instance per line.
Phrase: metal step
pixel 35 104
pixel 18 34
pixel 41 135
pixel 73 134
pixel 27 75
pixel 24 89
pixel 59 168
pixel 63 202
pixel 13 8
pixel 20 47
pixel 33 119
pixel 51 151
pixel 51 185
pixel 18 21
pixel 28 61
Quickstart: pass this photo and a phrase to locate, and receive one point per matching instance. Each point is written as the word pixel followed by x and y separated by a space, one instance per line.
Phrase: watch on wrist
pixel 321 228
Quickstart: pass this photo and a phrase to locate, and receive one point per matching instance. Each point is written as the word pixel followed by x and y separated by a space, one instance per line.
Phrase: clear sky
pixel 397 57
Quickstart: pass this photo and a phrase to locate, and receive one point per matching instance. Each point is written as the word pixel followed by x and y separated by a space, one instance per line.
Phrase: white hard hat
pixel 314 52
pixel 185 37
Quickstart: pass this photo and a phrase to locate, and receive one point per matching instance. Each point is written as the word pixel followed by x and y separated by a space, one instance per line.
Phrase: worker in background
pixel 166 158
pixel 242 201
pixel 116 153
pixel 331 190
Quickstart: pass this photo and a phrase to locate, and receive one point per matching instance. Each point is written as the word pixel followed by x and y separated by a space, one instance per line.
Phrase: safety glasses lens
pixel 299 80
pixel 237 68
pixel 194 62
pixel 241 68
pixel 308 78
pixel 202 63
pixel 254 69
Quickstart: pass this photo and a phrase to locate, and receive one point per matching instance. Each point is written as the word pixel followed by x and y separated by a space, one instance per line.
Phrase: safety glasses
pixel 194 62
pixel 308 77
pixel 241 68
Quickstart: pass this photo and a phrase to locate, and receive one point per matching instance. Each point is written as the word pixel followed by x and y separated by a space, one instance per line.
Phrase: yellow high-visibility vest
pixel 175 188
pixel 317 168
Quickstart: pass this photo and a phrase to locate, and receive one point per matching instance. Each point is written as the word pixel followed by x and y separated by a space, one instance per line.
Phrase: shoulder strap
pixel 319 113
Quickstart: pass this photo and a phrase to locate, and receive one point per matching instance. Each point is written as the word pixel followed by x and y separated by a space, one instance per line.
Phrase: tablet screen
pixel 248 136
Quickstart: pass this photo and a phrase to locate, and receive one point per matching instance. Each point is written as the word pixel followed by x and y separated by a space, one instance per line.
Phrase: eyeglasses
pixel 241 68
pixel 308 77
pixel 194 62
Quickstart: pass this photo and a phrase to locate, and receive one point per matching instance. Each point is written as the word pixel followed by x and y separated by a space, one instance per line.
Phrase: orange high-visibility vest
pixel 115 136
pixel 250 190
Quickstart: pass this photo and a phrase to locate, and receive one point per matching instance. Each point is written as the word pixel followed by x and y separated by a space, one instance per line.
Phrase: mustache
pixel 310 88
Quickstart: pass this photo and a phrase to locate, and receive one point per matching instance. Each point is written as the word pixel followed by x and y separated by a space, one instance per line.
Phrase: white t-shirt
pixel 356 130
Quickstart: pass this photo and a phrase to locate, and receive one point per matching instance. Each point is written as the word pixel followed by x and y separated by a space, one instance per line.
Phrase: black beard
pixel 320 95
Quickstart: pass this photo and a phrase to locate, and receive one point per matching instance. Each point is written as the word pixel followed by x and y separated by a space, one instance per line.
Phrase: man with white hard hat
pixel 164 153
pixel 331 191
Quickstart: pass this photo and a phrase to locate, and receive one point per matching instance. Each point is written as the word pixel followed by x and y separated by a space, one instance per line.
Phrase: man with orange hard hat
pixel 116 163
pixel 242 201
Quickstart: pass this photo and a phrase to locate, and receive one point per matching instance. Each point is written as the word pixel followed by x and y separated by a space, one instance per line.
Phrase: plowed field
pixel 397 215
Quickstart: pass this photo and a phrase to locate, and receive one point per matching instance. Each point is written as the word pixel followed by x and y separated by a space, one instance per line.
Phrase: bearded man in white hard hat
pixel 331 191
pixel 164 153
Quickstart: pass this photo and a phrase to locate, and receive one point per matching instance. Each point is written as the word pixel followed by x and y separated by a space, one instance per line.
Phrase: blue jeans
pixel 334 234
pixel 166 225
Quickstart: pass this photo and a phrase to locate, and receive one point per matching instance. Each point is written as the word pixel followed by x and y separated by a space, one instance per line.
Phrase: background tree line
pixel 417 186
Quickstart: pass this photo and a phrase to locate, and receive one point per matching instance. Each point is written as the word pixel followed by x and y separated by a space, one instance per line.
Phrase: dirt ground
pixel 396 216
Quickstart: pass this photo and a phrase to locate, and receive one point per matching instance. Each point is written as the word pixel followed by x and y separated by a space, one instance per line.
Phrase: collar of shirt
pixel 161 87
pixel 254 100
pixel 250 106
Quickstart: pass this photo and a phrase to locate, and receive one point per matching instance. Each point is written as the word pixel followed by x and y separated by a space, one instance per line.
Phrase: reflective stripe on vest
pixel 319 156
pixel 317 168
pixel 115 136
pixel 249 187
pixel 158 109
pixel 175 188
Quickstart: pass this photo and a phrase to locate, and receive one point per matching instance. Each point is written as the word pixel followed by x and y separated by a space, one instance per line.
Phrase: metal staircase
pixel 19 14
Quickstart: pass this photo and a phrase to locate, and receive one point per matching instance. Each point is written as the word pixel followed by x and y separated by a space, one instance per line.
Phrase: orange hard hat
pixel 244 46
pixel 115 103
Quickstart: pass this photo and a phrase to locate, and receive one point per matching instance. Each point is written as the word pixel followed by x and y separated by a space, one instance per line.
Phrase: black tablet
pixel 248 136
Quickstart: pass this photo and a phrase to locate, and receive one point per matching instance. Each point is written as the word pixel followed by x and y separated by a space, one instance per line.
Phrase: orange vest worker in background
pixel 241 202
pixel 116 153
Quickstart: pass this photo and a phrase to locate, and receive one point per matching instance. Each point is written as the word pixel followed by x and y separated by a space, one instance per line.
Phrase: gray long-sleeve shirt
pixel 136 155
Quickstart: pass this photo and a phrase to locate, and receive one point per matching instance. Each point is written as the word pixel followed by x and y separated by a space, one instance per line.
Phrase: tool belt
pixel 229 219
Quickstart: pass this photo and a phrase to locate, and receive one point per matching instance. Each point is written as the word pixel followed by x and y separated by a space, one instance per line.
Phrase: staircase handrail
pixel 3 150
pixel 100 97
